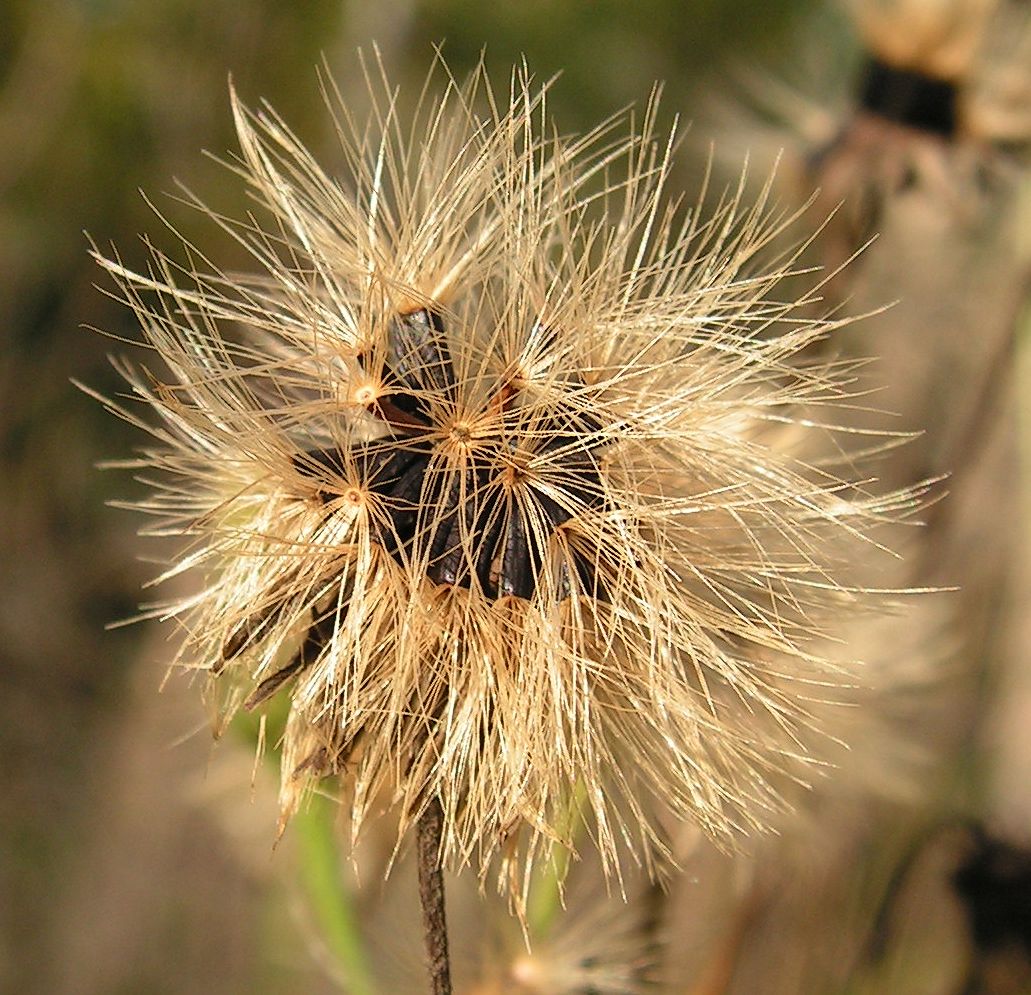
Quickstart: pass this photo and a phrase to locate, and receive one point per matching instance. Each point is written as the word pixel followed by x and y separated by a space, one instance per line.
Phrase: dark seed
pixel 250 631
pixel 268 687
pixel 408 486
pixel 460 521
pixel 487 543
pixel 381 469
pixel 419 358
pixel 240 639
pixel 376 465
pixel 587 578
pixel 517 576
pixel 318 636
pixel 317 763
pixel 554 513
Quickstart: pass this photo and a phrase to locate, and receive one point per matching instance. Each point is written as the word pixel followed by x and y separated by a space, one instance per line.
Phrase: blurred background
pixel 137 858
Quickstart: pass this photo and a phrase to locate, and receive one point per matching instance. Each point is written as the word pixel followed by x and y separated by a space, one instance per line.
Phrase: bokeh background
pixel 135 857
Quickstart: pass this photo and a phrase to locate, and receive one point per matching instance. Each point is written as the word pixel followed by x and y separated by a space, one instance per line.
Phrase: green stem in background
pixel 318 851
pixel 546 890
pixel 318 847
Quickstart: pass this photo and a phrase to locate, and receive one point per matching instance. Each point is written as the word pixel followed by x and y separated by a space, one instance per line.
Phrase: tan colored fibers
pixel 483 470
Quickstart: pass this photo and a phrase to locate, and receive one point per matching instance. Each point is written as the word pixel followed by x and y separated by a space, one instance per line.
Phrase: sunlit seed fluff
pixel 481 469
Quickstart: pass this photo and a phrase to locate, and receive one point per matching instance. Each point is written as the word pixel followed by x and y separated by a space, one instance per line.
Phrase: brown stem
pixel 428 832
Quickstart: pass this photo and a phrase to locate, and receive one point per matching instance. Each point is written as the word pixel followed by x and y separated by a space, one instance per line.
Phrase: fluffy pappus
pixel 485 469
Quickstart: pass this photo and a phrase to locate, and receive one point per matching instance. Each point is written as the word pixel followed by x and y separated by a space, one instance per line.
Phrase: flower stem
pixel 431 895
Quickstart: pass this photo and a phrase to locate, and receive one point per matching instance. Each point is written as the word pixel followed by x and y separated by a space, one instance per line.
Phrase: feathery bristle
pixel 482 467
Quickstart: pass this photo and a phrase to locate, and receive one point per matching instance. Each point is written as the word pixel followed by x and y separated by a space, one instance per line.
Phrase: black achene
pixel 463 523
pixel 445 514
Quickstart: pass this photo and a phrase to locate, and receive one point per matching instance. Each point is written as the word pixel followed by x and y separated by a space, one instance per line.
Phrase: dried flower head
pixel 942 102
pixel 948 70
pixel 485 467
pixel 937 38
pixel 939 114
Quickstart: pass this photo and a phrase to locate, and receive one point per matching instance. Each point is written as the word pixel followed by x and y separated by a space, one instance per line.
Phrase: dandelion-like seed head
pixel 483 468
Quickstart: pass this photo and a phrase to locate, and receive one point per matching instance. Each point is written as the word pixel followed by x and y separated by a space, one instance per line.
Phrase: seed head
pixel 485 470
pixel 939 39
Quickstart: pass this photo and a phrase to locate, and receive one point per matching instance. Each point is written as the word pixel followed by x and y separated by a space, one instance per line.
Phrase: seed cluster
pixel 493 469
pixel 469 524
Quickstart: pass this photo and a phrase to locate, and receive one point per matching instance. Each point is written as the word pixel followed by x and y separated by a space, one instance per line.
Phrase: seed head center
pixel 365 394
pixel 461 432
